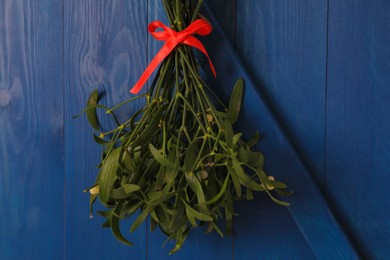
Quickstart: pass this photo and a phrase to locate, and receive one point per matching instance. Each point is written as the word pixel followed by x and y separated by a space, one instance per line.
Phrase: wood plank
pixel 277 228
pixel 225 12
pixel 31 130
pixel 264 230
pixel 105 48
pixel 197 245
pixel 283 45
pixel 308 207
pixel 358 122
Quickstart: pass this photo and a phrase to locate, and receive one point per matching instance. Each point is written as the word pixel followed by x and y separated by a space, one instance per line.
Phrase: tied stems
pixel 177 160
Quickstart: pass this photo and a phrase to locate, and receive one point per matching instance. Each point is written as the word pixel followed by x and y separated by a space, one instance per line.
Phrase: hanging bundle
pixel 177 160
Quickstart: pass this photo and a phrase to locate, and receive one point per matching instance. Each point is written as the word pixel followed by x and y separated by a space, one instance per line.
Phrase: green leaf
pixel 196 187
pixel 160 158
pixel 213 226
pixel 119 194
pixel 153 225
pixel 236 138
pixel 236 182
pixel 100 140
pixel 141 218
pixel 243 178
pixel 229 134
pixel 129 188
pixel 107 224
pixel 282 203
pixel 180 237
pixel 221 191
pixel 170 176
pixel 128 162
pixel 191 218
pixel 235 101
pixel 154 216
pixel 276 184
pixel 190 156
pixel 175 220
pixel 114 223
pixel 106 213
pixel 130 208
pixel 160 176
pixel 124 192
pixel 254 139
pixel 154 195
pixel 108 175
pixel 255 159
pixel 222 114
pixel 196 214
pixel 91 109
pixel 283 192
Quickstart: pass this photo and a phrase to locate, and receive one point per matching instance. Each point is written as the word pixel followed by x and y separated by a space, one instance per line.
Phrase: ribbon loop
pixel 173 38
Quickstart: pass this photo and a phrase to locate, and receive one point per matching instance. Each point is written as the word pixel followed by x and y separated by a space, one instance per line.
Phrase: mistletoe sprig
pixel 177 160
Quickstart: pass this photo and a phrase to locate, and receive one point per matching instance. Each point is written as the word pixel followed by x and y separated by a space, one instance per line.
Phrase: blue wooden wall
pixel 323 67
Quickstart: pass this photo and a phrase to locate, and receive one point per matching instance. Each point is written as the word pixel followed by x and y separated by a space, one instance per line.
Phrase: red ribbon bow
pixel 173 38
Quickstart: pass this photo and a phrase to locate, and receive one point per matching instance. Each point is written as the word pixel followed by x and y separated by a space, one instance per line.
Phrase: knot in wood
pixel 5 97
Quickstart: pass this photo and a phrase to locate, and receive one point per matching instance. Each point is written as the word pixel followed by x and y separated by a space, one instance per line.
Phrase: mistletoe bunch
pixel 177 160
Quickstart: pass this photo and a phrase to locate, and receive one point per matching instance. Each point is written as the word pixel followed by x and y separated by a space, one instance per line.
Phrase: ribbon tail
pixel 212 67
pixel 160 56
pixel 194 42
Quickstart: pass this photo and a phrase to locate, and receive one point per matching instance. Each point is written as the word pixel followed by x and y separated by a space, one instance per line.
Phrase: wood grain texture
pixel 31 130
pixel 283 45
pixel 358 122
pixel 105 48
pixel 260 224
pixel 54 53
pixel 308 208
pixel 225 11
